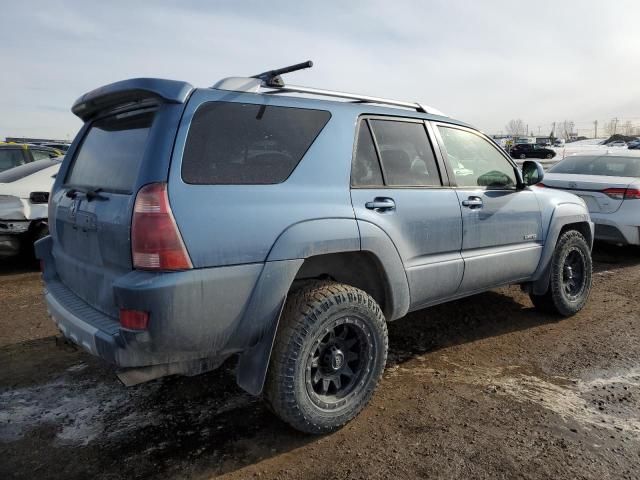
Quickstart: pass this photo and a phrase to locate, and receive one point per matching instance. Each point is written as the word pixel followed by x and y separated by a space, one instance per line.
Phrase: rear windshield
pixel 238 143
pixel 111 152
pixel 27 169
pixel 612 166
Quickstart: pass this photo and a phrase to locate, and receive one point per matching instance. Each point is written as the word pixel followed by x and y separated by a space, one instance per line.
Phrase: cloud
pixel 483 62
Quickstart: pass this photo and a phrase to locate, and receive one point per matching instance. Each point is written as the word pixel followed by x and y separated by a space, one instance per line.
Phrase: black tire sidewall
pixel 568 242
pixel 287 392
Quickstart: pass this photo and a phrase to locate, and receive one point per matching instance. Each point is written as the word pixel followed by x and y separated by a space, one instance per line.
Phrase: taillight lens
pixel 155 239
pixel 622 193
pixel 134 319
pixel 632 194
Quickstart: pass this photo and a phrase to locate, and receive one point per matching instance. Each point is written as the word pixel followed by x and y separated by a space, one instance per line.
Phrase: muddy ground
pixel 481 388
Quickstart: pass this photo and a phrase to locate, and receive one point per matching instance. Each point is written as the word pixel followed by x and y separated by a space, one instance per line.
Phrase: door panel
pixel 426 228
pixel 502 224
pixel 422 219
pixel 501 237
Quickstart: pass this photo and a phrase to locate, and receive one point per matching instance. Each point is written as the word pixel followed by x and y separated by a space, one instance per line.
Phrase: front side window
pixel 248 144
pixel 405 153
pixel 475 161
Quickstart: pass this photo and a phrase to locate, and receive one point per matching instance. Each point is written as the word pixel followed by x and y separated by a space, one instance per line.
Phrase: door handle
pixel 472 202
pixel 381 204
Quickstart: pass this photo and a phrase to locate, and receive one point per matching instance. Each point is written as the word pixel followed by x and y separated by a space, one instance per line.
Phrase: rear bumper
pixel 194 314
pixel 608 229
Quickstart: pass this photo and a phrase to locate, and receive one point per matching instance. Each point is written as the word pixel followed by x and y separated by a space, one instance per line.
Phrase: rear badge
pixel 531 236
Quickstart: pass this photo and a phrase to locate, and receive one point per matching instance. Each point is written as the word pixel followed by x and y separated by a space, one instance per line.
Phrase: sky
pixel 484 62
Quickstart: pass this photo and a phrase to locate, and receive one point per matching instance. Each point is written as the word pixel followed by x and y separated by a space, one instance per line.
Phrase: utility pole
pixel 595 133
pixel 615 125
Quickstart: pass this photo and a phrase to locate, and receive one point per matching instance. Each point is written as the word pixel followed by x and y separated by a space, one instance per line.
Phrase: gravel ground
pixel 484 387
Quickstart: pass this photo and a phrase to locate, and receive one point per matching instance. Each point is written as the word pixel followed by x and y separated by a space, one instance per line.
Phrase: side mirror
pixel 532 172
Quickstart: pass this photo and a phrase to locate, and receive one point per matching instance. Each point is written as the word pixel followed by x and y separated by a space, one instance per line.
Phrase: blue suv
pixel 285 226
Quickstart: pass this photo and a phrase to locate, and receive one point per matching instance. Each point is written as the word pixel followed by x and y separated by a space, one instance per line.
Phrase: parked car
pixel 610 186
pixel 531 151
pixel 16 154
pixel 189 225
pixel 24 197
pixel 617 143
pixel 634 145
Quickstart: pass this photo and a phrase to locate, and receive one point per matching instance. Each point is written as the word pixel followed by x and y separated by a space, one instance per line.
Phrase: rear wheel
pixel 548 156
pixel 522 156
pixel 571 277
pixel 328 357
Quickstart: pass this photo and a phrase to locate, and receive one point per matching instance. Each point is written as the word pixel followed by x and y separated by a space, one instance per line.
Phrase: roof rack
pixel 272 81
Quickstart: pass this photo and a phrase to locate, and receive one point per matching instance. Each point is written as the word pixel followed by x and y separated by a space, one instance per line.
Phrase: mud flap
pixel 260 322
pixel 253 364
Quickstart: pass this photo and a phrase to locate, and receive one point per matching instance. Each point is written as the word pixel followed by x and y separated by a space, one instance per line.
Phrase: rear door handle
pixel 472 202
pixel 381 204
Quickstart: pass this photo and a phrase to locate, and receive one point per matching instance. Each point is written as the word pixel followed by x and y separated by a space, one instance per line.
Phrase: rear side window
pixel 110 154
pixel 406 154
pixel 238 143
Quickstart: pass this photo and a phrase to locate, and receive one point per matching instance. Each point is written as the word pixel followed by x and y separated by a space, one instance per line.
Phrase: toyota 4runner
pixel 286 226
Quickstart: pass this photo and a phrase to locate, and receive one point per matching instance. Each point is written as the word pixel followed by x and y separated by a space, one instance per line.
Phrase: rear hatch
pixel 121 147
pixel 602 194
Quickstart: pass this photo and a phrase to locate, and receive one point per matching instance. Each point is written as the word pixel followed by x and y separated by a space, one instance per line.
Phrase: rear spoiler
pixel 128 92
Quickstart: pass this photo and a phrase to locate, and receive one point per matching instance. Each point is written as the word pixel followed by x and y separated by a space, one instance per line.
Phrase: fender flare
pixel 563 215
pixel 298 242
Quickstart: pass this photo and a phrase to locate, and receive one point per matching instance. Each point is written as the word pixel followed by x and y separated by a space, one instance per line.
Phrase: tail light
pixel 134 319
pixel 156 242
pixel 622 193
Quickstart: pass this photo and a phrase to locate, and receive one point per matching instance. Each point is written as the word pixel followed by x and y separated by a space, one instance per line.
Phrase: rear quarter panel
pixel 235 224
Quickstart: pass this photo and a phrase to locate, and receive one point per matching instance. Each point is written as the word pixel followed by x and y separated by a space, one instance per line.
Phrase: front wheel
pixel 522 156
pixel 328 358
pixel 571 277
pixel 549 156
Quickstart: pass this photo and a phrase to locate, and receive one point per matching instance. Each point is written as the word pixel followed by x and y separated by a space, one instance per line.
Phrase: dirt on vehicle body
pixel 480 388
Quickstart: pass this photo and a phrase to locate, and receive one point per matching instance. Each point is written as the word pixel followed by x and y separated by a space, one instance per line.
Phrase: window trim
pixel 365 118
pixel 454 183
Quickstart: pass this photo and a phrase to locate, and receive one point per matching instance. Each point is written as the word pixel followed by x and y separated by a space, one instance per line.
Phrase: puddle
pixel 610 400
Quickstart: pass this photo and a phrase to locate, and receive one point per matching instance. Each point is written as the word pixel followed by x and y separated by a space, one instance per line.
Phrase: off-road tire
pixel 556 299
pixel 309 315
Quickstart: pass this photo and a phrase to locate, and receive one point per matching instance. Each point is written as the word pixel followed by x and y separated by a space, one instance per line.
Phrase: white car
pixel 610 186
pixel 24 198
pixel 617 143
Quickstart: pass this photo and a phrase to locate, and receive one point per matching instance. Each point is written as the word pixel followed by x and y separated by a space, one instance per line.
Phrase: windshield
pixel 606 165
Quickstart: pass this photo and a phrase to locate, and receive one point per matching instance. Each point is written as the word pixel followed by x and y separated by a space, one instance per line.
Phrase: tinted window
pixel 406 154
pixel 111 152
pixel 10 157
pixel 366 169
pixel 475 161
pixel 27 169
pixel 599 165
pixel 237 143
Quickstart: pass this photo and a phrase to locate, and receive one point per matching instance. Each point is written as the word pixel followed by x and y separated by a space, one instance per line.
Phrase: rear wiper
pixel 90 194
pixel 95 193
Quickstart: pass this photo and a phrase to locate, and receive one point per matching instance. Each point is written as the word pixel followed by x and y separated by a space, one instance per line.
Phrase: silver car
pixel 610 186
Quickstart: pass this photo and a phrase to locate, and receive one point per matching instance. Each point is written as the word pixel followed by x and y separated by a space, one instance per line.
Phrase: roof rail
pixel 272 81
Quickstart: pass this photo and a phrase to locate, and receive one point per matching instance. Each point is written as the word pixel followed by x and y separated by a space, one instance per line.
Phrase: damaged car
pixel 24 198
